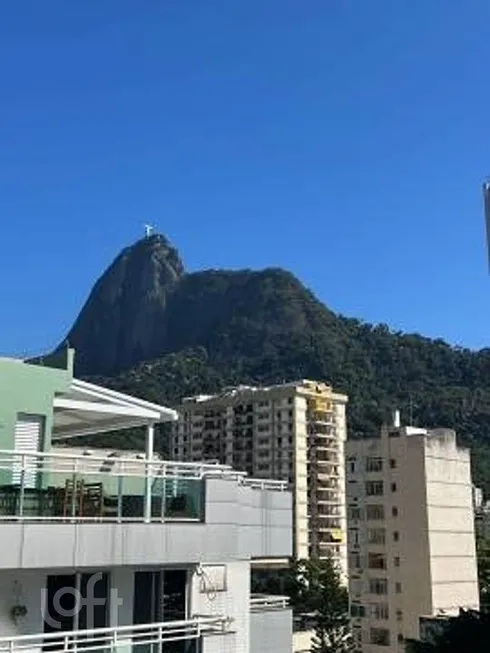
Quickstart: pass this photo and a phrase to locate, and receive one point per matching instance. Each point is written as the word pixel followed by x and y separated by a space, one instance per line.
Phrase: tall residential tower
pixel 293 431
pixel 410 533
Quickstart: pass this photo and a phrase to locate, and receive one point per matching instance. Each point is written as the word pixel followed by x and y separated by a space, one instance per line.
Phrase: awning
pixel 88 408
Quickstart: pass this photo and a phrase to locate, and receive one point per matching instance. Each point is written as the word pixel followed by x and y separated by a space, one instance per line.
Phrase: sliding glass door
pixel 77 601
pixel 161 596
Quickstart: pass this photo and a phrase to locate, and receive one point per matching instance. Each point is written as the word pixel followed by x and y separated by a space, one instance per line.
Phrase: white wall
pixel 451 525
pixel 21 588
pixel 122 588
pixel 233 602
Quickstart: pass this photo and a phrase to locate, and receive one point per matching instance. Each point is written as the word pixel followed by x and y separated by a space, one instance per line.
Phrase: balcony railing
pixel 67 487
pixel 135 638
pixel 265 602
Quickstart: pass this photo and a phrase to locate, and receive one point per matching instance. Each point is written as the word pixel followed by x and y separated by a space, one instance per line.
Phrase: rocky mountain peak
pixel 124 312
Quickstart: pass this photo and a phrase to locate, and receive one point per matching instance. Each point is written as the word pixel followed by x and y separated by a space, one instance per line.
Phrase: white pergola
pixel 87 409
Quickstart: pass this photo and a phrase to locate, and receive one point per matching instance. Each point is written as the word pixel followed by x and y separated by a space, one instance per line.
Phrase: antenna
pixel 149 228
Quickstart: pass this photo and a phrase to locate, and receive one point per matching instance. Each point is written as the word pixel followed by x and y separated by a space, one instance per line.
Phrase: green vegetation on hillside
pixel 176 334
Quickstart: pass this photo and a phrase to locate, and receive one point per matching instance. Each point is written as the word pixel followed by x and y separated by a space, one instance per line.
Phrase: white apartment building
pixel 292 431
pixel 411 533
pixel 121 552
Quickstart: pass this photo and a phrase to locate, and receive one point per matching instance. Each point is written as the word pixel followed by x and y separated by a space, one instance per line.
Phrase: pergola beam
pixel 99 407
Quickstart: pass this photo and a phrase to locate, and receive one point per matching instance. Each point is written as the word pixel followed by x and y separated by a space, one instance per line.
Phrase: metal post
pixel 74 490
pixel 150 437
pixel 22 485
pixel 119 496
pixel 164 494
pixel 160 639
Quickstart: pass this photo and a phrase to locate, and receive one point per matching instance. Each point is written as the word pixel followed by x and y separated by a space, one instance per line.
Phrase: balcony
pixel 64 487
pixel 268 602
pixel 171 637
pixel 325 456
pixel 271 624
pixel 106 511
pixel 90 488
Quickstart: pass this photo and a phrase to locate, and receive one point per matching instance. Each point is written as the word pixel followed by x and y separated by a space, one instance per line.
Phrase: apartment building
pixel 292 431
pixel 110 550
pixel 411 537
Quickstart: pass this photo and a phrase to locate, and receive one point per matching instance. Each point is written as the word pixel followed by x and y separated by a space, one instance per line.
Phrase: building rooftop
pixel 234 391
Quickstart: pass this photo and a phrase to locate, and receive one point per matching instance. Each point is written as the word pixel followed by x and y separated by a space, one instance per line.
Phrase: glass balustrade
pixel 57 488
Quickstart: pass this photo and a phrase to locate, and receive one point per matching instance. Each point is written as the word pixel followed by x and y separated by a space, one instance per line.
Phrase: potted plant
pixel 18 611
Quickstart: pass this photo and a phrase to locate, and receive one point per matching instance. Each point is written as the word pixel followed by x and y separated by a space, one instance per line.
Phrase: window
pixel 375 512
pixel 400 637
pixel 357 610
pixel 61 592
pixel 290 400
pixel 352 465
pixel 398 588
pixel 374 464
pixel 378 586
pixel 396 561
pixel 357 633
pixel 394 511
pixel 374 488
pixel 376 561
pixel 354 512
pixel 393 487
pixel 376 535
pixel 380 636
pixel 399 615
pixel 396 536
pixel 380 611
pixel 392 463
pixel 354 561
pixel 353 536
pixel 356 587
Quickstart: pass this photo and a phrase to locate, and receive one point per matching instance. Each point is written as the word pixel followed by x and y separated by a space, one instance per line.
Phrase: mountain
pixel 121 322
pixel 150 328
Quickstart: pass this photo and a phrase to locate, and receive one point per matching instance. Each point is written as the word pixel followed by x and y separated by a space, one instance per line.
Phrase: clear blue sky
pixel 345 140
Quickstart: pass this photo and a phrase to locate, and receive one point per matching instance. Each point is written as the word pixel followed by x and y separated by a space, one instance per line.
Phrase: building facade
pixel 410 533
pixel 122 551
pixel 292 431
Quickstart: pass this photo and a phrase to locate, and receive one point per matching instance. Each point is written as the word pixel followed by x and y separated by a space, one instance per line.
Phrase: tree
pixel 483 558
pixel 316 591
pixel 467 633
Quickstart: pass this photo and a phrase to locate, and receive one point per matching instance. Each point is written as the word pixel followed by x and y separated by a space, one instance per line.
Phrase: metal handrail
pixel 119 466
pixel 51 462
pixel 110 638
pixel 263 602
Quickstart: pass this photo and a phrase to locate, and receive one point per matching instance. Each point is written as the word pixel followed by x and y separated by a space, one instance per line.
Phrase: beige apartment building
pixel 294 431
pixel 411 540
